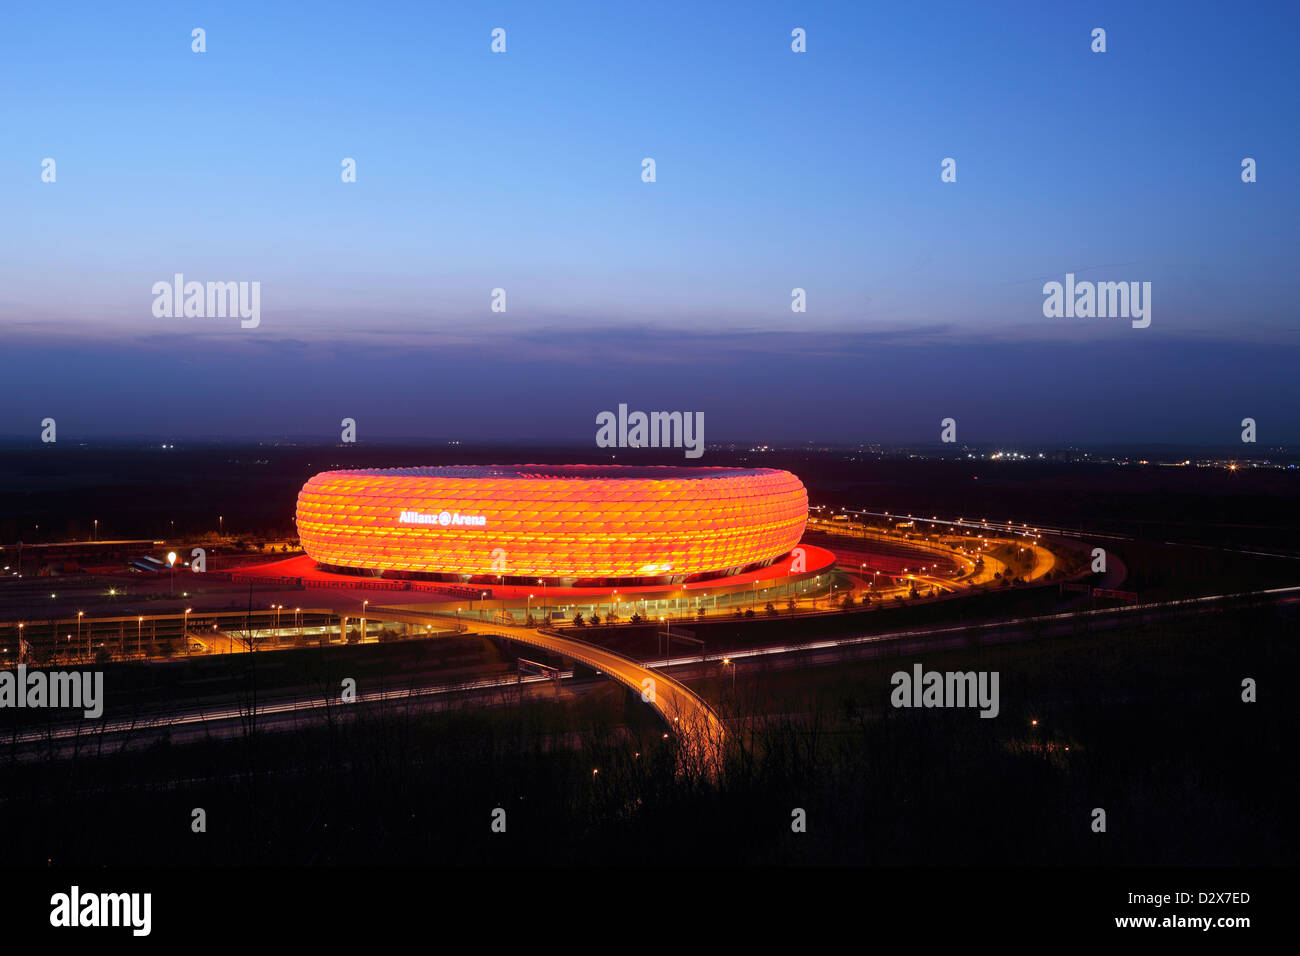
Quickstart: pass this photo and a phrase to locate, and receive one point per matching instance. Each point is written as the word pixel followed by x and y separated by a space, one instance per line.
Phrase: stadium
pixel 567 525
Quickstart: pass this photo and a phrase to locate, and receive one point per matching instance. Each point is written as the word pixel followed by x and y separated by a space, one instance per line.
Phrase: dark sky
pixel 766 387
pixel 776 170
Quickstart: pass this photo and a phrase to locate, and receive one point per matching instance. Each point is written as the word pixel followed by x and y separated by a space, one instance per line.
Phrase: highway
pixel 1024 529
pixel 686 715
pixel 949 637
pixel 272 713
pixel 696 724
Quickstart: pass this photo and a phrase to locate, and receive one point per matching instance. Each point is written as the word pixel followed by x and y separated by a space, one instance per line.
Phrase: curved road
pixel 693 721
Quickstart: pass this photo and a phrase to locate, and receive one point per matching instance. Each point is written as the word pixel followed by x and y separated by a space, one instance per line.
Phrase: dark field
pixel 1156 731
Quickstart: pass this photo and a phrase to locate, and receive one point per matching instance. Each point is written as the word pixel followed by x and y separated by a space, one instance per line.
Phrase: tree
pixel 577 620
pixel 749 612
pixel 700 613
pixel 847 603
pixel 635 618
pixel 791 604
pixel 771 609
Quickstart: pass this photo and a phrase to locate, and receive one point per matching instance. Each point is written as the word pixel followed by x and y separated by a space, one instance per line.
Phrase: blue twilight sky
pixel 775 170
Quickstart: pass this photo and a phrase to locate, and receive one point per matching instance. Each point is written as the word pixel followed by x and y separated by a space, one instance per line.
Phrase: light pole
pixel 363 621
pixel 139 622
pixel 668 641
pixel 185 629
pixel 728 662
pixel 79 614
pixel 171 563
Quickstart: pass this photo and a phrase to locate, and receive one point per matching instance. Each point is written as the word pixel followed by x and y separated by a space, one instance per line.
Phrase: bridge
pixel 691 720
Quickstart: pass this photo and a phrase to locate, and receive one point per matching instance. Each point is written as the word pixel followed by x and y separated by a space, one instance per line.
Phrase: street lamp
pixel 79 614
pixel 185 629
pixel 171 563
pixel 363 620
pixel 139 622
pixel 728 662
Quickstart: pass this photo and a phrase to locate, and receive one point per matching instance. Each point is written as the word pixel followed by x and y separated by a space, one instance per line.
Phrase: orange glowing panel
pixel 553 521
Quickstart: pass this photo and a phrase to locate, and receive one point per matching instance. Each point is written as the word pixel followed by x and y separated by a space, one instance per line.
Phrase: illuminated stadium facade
pixel 564 524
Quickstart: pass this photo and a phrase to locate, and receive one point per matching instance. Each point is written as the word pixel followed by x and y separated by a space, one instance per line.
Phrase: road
pixel 951 637
pixel 695 722
pixel 688 717
pixel 225 719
